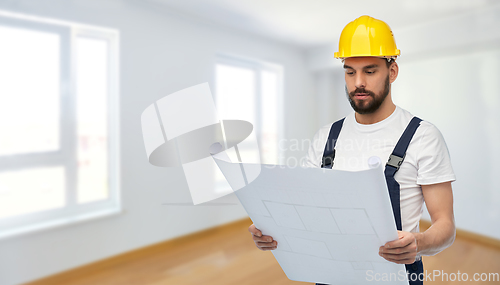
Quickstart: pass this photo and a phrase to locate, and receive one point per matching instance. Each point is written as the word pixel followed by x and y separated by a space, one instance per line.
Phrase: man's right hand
pixel 262 242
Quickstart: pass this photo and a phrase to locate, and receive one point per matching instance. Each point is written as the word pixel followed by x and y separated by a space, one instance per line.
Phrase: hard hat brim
pixel 338 56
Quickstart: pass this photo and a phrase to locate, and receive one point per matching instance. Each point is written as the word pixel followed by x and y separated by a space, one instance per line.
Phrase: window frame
pixel 66 155
pixel 258 66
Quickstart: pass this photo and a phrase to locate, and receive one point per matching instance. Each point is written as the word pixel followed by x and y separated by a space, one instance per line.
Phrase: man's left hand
pixel 402 250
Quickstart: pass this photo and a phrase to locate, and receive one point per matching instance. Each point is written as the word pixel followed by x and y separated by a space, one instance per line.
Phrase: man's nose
pixel 360 81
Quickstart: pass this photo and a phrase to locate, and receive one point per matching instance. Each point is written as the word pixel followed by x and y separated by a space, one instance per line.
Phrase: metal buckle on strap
pixel 395 161
pixel 327 161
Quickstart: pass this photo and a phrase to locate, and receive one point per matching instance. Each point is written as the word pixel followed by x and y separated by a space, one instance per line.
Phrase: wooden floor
pixel 227 255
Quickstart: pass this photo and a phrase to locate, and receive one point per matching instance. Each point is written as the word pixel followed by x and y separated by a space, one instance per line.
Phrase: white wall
pixel 449 75
pixel 459 94
pixel 450 78
pixel 330 90
pixel 160 53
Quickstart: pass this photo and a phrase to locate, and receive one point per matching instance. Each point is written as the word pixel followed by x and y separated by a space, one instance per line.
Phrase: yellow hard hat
pixel 367 36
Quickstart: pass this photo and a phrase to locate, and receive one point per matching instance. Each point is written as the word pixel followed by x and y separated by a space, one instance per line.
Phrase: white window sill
pixel 60 222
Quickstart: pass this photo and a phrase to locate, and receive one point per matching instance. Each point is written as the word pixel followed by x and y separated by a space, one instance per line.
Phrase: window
pixel 58 123
pixel 251 90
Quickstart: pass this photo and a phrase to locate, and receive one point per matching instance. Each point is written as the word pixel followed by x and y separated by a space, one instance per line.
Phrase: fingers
pixel 410 248
pixel 403 256
pixel 402 250
pixel 401 242
pixel 254 231
pixel 400 260
pixel 399 255
pixel 267 245
pixel 405 239
pixel 261 241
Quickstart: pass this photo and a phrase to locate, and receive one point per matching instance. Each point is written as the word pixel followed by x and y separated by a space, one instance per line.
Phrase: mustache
pixel 361 90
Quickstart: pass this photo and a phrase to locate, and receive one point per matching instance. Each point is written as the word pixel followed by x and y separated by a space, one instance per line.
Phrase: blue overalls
pixel 395 160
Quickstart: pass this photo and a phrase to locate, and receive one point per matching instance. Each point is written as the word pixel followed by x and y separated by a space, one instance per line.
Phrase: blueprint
pixel 329 224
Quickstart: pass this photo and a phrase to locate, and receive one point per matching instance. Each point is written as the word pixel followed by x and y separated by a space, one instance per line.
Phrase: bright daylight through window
pixel 58 123
pixel 251 90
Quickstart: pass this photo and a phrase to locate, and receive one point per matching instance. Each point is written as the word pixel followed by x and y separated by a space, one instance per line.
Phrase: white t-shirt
pixel 427 158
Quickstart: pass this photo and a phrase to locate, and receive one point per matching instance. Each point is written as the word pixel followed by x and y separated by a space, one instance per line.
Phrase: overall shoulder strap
pixel 392 166
pixel 399 152
pixel 329 152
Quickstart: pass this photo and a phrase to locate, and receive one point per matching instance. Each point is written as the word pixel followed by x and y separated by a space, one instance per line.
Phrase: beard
pixel 368 106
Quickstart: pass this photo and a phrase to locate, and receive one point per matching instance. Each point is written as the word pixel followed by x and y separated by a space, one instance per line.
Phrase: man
pixel 420 172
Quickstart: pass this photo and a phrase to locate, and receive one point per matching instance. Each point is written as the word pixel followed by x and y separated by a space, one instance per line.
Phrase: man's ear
pixel 393 72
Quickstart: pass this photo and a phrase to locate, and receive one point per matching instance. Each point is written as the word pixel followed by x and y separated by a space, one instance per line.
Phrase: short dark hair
pixel 389 62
